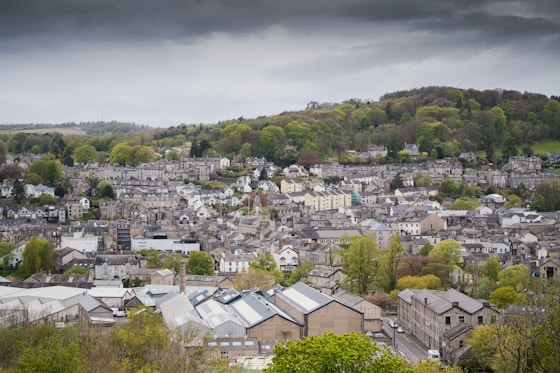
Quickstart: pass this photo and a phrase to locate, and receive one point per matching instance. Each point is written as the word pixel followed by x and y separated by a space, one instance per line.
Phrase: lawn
pixel 543 148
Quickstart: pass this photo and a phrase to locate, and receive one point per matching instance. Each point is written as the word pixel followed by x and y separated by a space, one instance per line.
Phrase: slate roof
pixel 440 302
pixel 457 330
pixel 89 303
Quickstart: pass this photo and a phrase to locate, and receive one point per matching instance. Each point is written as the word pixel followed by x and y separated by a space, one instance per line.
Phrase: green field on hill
pixel 543 148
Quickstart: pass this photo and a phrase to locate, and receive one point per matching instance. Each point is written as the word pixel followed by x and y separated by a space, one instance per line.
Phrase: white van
pixel 433 355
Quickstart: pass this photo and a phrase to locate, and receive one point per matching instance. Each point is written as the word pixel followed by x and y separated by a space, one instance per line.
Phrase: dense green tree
pixel 505 296
pixel 425 250
pixel 84 154
pixel 105 190
pixel 419 282
pixel 526 340
pixel 516 276
pixel 509 149
pixel 6 253
pixel 491 268
pixel 19 191
pixel 547 197
pixel 172 155
pixel 38 256
pixel 120 154
pixel 449 189
pixel 300 273
pixel 464 204
pixel 360 263
pixel 49 170
pixel 200 263
pixel 265 263
pixel 139 154
pixel 272 142
pixel 152 258
pixel 33 179
pixel 449 250
pixel 391 259
pixel 51 355
pixel 143 345
pixel 334 353
pixel 552 118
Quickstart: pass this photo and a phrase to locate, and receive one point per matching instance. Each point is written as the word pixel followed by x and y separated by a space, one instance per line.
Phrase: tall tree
pixel 360 263
pixel 516 276
pixel 38 255
pixel 390 261
pixel 449 250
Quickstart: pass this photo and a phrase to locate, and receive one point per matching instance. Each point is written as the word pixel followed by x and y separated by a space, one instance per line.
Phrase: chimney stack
pixel 182 277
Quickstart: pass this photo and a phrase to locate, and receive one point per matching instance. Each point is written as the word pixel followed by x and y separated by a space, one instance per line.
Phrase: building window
pixel 460 344
pixel 447 320
pixel 461 318
pixel 480 320
pixel 225 354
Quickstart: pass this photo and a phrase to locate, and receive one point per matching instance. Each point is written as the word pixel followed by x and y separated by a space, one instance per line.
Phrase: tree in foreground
pixel 334 353
pixel 349 353
pixel 52 354
pixel 526 340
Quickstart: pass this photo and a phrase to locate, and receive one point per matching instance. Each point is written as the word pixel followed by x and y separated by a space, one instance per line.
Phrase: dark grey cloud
pixel 141 19
pixel 170 61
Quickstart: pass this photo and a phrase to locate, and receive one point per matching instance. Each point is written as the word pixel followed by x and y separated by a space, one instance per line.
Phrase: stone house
pixel 550 269
pixel 318 312
pixel 419 225
pixel 115 267
pixel 428 314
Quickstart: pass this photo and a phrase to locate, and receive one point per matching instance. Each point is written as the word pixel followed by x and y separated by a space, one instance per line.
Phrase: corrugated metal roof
pixel 253 309
pixel 304 297
pixel 216 313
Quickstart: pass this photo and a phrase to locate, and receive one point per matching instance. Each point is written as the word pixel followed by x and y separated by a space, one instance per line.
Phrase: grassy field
pixel 544 148
pixel 62 130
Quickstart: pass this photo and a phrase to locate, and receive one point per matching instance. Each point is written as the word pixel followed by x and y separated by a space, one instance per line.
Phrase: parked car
pixel 400 329
pixel 118 312
pixel 393 324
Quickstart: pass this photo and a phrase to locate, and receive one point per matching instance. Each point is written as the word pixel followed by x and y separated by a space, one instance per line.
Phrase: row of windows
pixel 480 320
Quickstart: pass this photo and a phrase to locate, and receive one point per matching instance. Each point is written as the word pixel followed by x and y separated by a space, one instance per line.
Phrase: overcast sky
pixel 167 62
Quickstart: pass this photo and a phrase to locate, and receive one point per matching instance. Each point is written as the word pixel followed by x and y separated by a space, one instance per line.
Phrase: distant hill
pixel 69 129
pixel 442 121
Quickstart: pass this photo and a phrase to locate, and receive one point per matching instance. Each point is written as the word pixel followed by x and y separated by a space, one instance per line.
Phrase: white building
pixel 178 246
pixel 79 241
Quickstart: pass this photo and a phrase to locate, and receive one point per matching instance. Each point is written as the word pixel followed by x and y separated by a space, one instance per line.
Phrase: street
pixel 404 344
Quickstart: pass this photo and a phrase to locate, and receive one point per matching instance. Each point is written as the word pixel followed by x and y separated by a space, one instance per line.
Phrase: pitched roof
pixel 253 309
pixel 440 302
